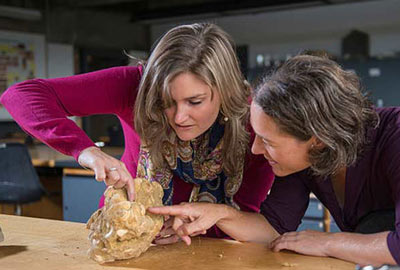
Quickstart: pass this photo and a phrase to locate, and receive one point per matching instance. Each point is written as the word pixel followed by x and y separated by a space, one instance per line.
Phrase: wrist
pixel 89 149
pixel 225 213
pixel 329 243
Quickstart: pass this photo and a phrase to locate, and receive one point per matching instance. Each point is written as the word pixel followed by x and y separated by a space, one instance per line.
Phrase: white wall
pixel 288 32
pixel 60 60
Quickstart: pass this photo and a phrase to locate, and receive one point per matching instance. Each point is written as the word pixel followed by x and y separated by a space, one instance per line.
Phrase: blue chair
pixel 19 181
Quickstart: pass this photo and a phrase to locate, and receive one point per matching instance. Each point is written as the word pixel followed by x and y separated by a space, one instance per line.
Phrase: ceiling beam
pixel 221 7
pixel 95 3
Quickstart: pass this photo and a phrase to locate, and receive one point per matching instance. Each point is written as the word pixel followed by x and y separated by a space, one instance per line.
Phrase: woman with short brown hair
pixel 320 134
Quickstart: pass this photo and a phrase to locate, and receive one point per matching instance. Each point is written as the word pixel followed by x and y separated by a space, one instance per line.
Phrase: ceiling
pixel 152 10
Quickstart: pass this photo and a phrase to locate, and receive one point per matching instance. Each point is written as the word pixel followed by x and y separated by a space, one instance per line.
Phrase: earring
pixel 225 118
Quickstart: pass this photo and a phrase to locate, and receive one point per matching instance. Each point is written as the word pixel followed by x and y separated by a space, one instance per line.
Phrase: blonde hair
pixel 205 50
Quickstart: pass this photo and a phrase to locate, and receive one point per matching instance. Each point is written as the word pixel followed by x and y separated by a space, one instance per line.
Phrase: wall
pixel 38 43
pixel 288 32
pixel 60 60
pixel 89 29
pixel 51 60
pixel 66 29
pixel 85 28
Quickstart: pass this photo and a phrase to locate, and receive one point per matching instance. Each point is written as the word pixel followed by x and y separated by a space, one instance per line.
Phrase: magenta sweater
pixel 41 108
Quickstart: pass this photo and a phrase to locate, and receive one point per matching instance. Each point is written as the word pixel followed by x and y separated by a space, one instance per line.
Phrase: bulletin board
pixel 22 57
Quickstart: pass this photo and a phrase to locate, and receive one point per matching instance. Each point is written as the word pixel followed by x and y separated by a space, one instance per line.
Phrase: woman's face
pixel 285 153
pixel 195 107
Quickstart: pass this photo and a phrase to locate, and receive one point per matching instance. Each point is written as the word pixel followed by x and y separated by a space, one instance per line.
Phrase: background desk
pixel 44 156
pixel 80 191
pixel 72 192
pixel 81 194
pixel 35 244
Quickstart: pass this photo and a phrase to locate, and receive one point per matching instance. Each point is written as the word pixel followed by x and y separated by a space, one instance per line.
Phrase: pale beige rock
pixel 122 229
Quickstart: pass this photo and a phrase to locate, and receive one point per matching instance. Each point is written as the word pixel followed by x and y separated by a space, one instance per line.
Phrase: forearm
pixel 40 113
pixel 41 107
pixel 360 248
pixel 245 226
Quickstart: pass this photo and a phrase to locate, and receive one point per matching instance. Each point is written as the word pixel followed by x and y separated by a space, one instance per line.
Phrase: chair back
pixel 19 181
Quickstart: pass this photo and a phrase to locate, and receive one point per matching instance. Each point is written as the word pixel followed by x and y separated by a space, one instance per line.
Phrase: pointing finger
pixel 175 210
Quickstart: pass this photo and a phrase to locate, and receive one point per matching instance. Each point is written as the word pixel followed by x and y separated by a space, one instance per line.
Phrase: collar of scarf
pixel 199 162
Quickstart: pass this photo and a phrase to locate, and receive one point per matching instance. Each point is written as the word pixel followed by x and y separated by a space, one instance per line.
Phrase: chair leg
pixel 18 210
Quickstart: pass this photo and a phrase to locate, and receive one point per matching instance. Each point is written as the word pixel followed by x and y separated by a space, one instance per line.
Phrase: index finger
pixel 175 210
pixel 100 173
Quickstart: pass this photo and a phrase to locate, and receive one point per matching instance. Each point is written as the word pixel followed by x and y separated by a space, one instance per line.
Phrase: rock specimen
pixel 123 229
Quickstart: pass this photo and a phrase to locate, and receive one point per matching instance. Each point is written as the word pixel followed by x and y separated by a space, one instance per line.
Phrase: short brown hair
pixel 310 95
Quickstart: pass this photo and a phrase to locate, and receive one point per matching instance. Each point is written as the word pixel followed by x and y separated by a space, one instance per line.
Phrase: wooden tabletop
pixel 34 244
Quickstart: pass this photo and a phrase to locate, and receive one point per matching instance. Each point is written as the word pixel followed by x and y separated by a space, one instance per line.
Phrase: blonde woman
pixel 184 115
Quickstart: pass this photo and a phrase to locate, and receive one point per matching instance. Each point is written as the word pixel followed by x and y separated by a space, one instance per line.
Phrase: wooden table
pixel 37 244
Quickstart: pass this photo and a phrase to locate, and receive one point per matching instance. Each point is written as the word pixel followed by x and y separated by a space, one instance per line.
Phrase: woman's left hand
pixel 305 242
pixel 167 234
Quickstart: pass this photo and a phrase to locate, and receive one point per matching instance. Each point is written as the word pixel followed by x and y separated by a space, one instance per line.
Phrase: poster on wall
pixel 22 57
pixel 17 62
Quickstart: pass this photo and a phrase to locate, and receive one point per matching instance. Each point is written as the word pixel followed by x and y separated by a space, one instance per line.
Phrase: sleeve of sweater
pixel 41 106
pixel 286 203
pixel 391 159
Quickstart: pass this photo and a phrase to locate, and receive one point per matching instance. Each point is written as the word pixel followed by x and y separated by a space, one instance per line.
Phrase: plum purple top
pixel 372 184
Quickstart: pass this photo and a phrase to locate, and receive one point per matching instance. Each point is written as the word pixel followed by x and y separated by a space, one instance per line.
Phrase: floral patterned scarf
pixel 198 162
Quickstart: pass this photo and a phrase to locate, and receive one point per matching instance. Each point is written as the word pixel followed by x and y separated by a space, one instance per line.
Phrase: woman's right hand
pixel 191 219
pixel 108 169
